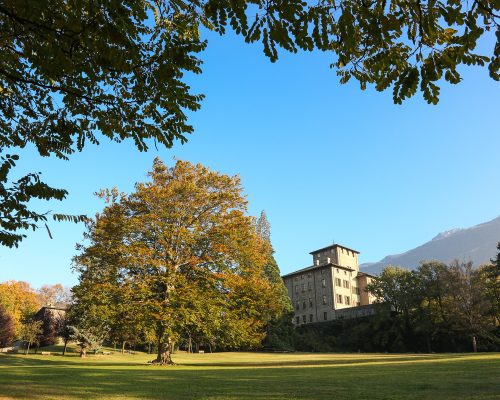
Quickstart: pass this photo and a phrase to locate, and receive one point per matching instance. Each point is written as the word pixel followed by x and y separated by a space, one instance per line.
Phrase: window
pixel 303 287
pixel 296 278
pixel 345 272
pixel 309 275
pixel 324 300
pixel 357 290
pixel 296 288
pixel 310 302
pixel 322 271
pixel 348 300
pixel 304 318
pixel 323 282
pixel 297 320
pixel 310 318
pixel 338 282
pixel 346 284
pixel 358 303
pixel 304 305
pixel 339 298
pixel 309 286
pixel 325 316
pixel 337 270
pixel 297 306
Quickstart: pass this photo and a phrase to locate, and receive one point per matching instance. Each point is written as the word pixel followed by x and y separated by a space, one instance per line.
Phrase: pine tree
pixel 279 330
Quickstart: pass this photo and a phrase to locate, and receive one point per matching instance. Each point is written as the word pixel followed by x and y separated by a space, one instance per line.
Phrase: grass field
pixel 252 376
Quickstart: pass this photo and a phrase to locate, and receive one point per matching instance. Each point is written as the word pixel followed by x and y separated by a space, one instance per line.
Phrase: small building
pixel 332 288
pixel 52 311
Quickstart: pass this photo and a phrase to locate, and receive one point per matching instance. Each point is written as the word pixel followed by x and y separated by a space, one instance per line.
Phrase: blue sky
pixel 327 162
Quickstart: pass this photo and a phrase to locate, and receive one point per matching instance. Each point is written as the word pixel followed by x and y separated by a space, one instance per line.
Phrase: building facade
pixel 331 288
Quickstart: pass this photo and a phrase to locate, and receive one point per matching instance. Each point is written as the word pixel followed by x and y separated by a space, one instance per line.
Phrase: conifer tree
pixel 279 330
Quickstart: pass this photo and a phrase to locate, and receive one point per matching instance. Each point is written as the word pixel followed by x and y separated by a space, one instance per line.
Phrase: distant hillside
pixel 477 244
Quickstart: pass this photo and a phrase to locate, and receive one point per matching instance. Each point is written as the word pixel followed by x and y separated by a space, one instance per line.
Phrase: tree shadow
pixel 70 380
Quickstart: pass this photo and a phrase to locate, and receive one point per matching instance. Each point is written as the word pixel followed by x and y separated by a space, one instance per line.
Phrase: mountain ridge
pixel 477 244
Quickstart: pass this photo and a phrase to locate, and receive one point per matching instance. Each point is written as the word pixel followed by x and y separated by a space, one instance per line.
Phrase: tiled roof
pixel 333 246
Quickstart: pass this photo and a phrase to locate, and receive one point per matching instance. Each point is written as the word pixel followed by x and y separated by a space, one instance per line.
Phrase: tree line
pixel 179 262
pixel 436 308
pixel 19 318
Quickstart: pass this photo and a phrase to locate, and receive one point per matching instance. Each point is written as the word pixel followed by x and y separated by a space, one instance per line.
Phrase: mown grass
pixel 252 376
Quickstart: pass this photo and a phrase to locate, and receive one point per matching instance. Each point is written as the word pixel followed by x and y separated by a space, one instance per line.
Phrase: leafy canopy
pixel 78 71
pixel 178 257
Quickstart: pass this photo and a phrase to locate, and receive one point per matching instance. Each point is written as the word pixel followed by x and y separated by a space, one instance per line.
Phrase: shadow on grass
pixel 91 361
pixel 61 379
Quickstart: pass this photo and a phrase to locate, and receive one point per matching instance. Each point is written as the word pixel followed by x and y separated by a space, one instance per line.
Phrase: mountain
pixel 477 244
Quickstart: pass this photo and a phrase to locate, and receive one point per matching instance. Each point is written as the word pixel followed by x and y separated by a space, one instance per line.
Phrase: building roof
pixel 57 306
pixel 366 274
pixel 313 267
pixel 331 247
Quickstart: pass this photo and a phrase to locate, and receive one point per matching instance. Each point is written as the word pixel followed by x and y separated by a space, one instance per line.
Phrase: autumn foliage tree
pixel 53 294
pixel 19 300
pixel 183 256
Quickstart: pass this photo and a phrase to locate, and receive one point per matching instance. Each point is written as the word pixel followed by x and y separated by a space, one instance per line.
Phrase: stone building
pixel 332 288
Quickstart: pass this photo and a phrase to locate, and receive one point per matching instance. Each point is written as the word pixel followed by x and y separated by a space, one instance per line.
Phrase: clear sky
pixel 327 162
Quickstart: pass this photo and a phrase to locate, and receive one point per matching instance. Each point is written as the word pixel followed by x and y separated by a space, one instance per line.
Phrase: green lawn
pixel 253 376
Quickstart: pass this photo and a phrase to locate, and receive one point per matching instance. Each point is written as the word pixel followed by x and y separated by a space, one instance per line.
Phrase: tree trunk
pixel 428 342
pixel 83 353
pixel 123 347
pixel 27 349
pixel 149 348
pixel 190 345
pixel 474 344
pixel 65 346
pixel 164 356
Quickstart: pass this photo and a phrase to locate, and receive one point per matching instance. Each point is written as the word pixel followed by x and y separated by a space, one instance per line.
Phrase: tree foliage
pixel 89 338
pixel 31 332
pixel 7 331
pixel 437 303
pixel 19 300
pixel 76 72
pixel 279 330
pixel 15 216
pixel 181 257
pixel 491 275
pixel 54 294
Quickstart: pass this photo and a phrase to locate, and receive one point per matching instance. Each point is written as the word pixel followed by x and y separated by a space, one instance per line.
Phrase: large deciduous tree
pixel 77 71
pixel 180 255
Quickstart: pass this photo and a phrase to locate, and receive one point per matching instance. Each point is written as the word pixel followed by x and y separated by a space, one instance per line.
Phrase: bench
pixel 106 353
pixel 201 351
pixel 45 353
